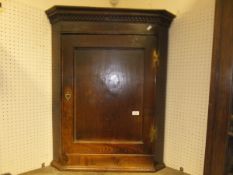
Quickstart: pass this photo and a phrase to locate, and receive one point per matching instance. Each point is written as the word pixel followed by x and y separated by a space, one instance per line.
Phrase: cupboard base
pixel 126 163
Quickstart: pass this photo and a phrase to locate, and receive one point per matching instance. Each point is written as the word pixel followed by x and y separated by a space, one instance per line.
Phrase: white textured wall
pixel 25 88
pixel 25 81
pixel 171 5
pixel 189 66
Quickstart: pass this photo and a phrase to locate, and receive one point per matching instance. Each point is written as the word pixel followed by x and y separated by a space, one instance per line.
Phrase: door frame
pixel 220 89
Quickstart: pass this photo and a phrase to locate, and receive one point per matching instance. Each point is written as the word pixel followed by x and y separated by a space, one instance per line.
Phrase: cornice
pixel 67 13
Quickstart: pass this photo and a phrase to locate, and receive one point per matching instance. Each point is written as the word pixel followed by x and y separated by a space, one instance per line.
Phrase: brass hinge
pixel 153 134
pixel 155 58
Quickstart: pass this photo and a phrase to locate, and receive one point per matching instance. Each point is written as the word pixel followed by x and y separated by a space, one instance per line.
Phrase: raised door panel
pixel 108 85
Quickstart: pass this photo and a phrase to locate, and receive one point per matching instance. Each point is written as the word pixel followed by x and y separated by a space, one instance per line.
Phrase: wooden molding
pixel 64 13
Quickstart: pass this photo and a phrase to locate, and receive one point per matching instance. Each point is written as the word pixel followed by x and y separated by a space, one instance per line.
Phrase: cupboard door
pixel 109 94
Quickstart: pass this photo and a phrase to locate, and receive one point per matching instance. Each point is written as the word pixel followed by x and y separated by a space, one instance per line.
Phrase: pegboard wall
pixel 25 88
pixel 189 67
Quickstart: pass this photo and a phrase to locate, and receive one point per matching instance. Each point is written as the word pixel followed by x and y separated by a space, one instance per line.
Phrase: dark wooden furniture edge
pixel 71 13
pixel 215 130
pixel 138 168
pixel 213 90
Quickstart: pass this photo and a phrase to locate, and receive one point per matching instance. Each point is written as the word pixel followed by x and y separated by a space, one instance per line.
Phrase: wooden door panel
pixel 108 86
pixel 108 80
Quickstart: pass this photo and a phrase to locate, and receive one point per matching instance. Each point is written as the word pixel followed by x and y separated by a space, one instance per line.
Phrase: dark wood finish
pixel 219 144
pixel 106 64
pixel 56 92
pixel 64 13
pixel 107 79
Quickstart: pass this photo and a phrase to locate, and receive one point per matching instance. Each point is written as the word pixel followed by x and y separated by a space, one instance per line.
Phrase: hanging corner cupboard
pixel 109 80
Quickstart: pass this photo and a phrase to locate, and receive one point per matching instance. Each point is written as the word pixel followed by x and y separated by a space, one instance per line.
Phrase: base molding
pixel 119 163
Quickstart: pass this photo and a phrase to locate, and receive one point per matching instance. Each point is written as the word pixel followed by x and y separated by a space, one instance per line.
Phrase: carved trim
pixel 59 13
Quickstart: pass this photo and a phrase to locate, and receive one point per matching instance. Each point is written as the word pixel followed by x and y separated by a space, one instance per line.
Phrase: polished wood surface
pixel 110 163
pixel 107 81
pixel 108 87
pixel 112 91
pixel 219 146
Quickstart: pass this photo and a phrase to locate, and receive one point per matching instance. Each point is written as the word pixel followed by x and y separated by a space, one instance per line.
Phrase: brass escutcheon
pixel 68 96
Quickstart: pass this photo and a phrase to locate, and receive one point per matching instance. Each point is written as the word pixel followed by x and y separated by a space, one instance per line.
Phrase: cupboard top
pixel 71 13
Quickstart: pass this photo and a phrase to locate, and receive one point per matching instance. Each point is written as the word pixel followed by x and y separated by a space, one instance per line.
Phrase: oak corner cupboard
pixel 109 80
